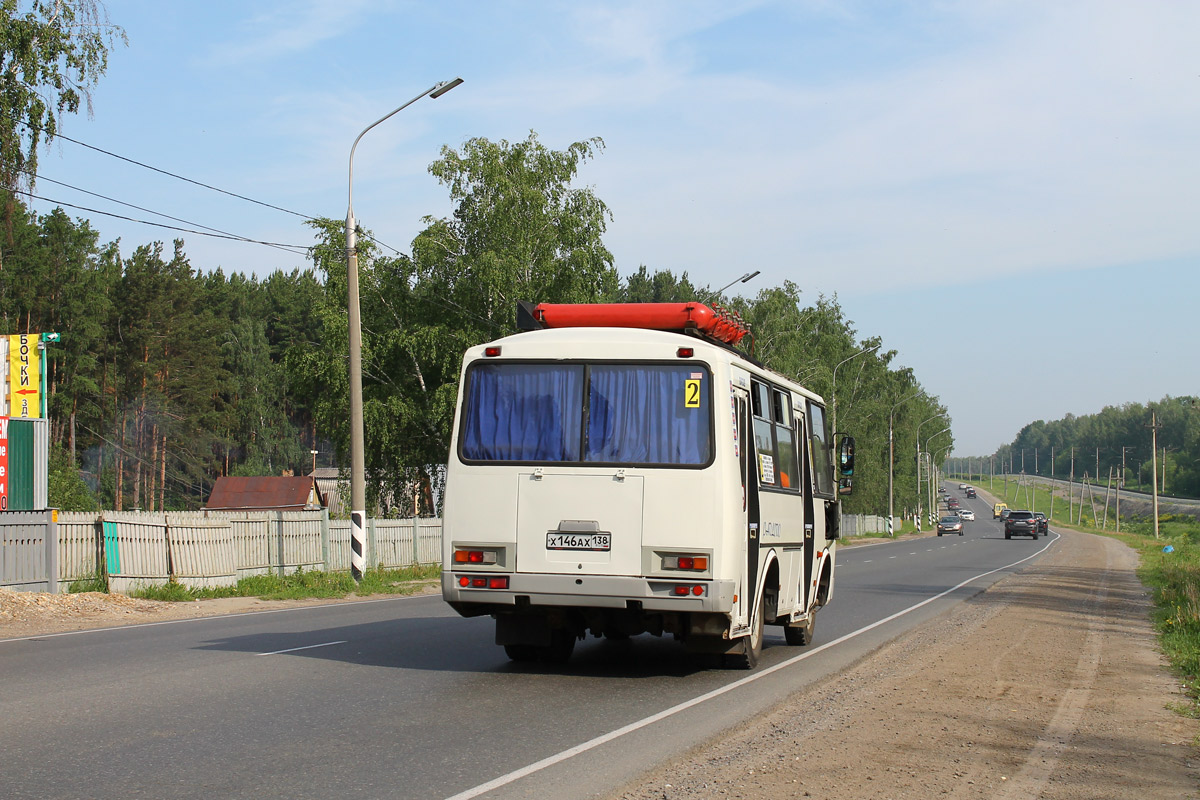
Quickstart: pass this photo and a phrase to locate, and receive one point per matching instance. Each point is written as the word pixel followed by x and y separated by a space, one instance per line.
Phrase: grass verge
pixel 301 585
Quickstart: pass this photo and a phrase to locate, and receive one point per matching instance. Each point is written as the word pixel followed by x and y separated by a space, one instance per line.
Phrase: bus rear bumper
pixel 590 591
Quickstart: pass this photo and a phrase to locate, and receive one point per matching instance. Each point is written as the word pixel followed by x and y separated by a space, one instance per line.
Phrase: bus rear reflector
pixel 483 581
pixel 491 352
pixel 685 352
pixel 682 591
pixel 697 590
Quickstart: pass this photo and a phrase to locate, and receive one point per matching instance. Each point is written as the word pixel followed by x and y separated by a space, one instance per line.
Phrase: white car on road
pixel 967 514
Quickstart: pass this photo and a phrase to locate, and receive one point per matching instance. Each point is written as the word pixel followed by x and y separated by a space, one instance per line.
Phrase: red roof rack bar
pixel 718 324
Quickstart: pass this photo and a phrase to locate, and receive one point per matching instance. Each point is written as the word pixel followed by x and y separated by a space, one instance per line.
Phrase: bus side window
pixel 819 449
pixel 764 440
pixel 785 443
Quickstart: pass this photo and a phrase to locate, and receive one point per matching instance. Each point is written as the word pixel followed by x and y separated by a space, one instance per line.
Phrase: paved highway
pixel 400 698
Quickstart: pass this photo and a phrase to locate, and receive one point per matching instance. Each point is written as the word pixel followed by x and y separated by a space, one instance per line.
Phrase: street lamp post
pixel 928 439
pixel 918 437
pixel 744 279
pixel 892 458
pixel 358 470
pixel 833 386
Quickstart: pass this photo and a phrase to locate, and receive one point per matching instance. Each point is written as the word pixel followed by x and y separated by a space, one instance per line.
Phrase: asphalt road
pixel 400 698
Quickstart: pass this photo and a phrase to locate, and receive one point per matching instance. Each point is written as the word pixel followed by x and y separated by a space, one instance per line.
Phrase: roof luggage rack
pixel 718 325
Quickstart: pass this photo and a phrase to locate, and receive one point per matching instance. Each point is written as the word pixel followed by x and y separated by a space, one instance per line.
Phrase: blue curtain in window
pixel 523 412
pixel 638 415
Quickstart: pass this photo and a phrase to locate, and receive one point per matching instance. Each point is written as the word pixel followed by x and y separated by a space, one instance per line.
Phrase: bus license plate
pixel 578 541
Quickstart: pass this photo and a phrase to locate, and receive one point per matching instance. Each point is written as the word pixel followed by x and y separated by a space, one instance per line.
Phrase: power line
pixel 172 473
pixel 159 213
pixel 134 161
pixel 291 248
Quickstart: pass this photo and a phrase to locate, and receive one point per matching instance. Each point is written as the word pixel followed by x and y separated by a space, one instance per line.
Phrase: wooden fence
pixel 202 549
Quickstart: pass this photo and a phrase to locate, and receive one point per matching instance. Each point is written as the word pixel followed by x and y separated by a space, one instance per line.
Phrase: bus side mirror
pixel 846 456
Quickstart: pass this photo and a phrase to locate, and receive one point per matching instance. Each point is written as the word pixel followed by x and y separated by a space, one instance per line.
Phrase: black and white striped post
pixel 358 470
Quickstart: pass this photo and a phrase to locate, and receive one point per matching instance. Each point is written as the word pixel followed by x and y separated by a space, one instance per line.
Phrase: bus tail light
pixel 491 352
pixel 474 556
pixel 695 563
pixel 684 590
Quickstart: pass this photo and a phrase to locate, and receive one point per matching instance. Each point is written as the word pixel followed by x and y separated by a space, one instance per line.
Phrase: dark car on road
pixel 971 493
pixel 1043 524
pixel 1020 523
pixel 950 524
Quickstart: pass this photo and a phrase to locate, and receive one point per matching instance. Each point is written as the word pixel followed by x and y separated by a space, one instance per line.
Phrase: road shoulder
pixel 1049 684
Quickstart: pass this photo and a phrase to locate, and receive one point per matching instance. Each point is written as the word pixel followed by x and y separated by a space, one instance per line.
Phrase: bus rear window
pixel 654 414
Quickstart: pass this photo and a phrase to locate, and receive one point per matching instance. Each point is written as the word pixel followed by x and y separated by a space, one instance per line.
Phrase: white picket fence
pixel 216 548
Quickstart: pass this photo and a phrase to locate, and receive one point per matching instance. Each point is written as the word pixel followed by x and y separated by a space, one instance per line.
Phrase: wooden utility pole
pixel 1071 486
pixel 1154 426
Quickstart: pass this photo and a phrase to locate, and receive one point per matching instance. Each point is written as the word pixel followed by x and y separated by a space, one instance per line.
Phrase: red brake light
pixel 475 556
pixel 687 562
pixel 498 583
pixel 491 352
pixel 479 583
pixel 685 352
pixel 682 591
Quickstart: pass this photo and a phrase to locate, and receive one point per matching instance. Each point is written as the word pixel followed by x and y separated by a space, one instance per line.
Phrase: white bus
pixel 622 469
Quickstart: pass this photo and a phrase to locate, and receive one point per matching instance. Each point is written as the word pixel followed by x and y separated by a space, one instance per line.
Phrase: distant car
pixel 967 515
pixel 1043 524
pixel 971 492
pixel 951 523
pixel 952 503
pixel 1020 523
pixel 1004 514
pixel 962 486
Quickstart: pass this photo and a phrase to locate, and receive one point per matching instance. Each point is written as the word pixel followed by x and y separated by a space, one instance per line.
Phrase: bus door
pixel 810 545
pixel 748 457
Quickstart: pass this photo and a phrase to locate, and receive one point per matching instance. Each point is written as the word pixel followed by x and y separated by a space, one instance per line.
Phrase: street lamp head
pixel 444 87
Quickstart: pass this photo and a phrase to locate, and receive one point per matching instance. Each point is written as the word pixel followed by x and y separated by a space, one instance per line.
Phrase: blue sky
pixel 1005 192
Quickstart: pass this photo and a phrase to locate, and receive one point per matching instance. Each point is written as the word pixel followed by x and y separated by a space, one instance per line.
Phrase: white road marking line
pixel 591 744
pixel 305 647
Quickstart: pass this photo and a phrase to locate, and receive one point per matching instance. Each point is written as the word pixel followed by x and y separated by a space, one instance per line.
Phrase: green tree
pixel 51 57
pixel 65 488
pixel 519 232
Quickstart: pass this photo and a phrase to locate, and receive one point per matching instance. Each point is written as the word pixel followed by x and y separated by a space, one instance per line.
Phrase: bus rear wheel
pixel 801 633
pixel 752 643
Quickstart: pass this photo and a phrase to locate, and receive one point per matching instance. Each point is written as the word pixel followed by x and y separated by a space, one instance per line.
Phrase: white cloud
pixel 291 27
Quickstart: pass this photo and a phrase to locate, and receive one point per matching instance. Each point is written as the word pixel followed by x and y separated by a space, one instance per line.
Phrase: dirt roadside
pixel 24 614
pixel 1048 685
